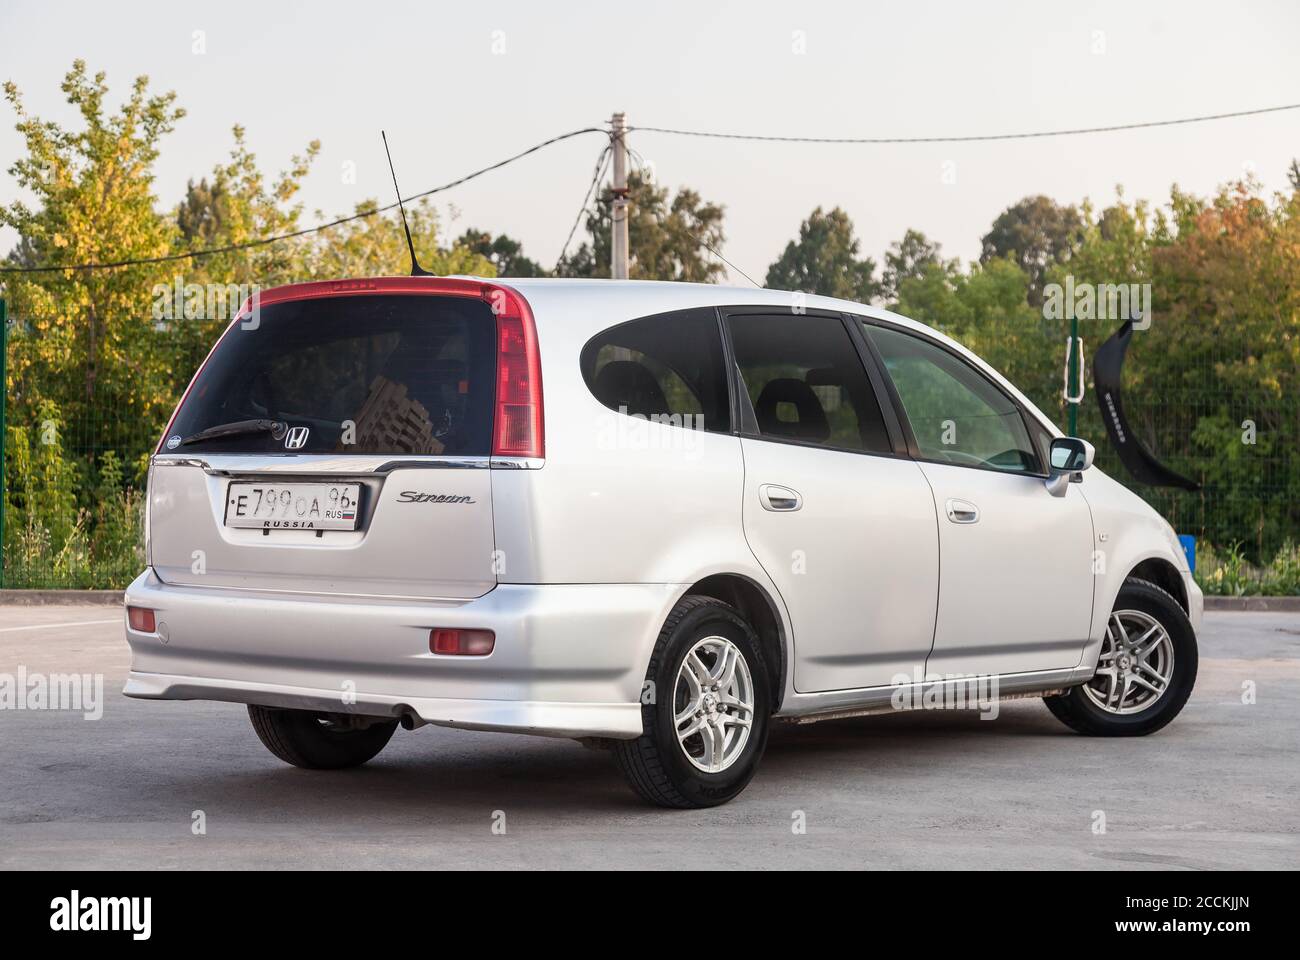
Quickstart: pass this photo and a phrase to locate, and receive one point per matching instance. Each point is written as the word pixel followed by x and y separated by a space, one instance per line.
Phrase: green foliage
pixel 907 259
pixel 505 255
pixel 1036 233
pixel 1230 574
pixel 667 240
pixel 824 260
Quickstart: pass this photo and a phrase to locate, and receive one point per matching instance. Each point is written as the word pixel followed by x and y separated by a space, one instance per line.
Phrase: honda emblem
pixel 296 438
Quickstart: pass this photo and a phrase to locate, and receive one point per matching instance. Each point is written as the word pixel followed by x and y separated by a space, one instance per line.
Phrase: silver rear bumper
pixel 569 659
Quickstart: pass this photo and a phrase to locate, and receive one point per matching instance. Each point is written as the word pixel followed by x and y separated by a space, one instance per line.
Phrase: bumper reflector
pixel 141 619
pixel 461 643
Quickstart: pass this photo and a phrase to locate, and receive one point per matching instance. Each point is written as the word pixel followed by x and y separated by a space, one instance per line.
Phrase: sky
pixel 460 85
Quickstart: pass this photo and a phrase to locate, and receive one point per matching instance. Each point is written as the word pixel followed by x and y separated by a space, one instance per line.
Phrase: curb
pixel 40 598
pixel 1257 604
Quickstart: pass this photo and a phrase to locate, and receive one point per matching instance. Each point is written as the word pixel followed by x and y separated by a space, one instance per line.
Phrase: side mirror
pixel 1069 457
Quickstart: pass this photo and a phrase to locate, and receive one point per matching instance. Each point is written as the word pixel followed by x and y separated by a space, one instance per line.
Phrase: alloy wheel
pixel 713 704
pixel 1136 665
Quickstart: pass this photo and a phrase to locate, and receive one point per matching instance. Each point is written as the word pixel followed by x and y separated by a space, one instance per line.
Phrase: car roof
pixel 569 311
pixel 584 307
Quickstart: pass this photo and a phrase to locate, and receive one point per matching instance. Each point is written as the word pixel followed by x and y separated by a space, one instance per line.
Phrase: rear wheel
pixel 705 726
pixel 320 741
pixel 1145 672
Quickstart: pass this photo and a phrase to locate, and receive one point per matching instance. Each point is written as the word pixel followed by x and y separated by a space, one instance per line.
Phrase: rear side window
pixel 806 382
pixel 364 374
pixel 666 368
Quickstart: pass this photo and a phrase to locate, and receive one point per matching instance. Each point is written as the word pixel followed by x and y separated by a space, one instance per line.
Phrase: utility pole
pixel 618 248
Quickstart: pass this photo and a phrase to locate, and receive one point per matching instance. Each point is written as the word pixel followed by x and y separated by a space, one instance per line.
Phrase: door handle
pixel 962 511
pixel 779 499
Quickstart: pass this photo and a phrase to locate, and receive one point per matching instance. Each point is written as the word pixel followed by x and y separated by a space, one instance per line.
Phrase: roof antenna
pixel 416 269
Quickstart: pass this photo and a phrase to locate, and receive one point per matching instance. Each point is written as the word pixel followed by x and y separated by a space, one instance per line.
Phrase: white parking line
pixel 53 626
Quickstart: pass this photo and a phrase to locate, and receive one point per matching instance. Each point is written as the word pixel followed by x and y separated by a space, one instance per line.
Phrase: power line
pixel 601 162
pixel 262 241
pixel 966 139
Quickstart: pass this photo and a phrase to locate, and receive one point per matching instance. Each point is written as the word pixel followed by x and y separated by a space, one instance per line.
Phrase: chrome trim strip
pixel 278 592
pixel 231 464
pixel 517 463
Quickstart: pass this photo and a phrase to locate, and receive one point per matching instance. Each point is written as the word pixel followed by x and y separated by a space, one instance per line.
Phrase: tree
pixel 824 260
pixel 667 240
pixel 907 259
pixel 84 343
pixel 376 246
pixel 505 254
pixel 1036 233
pixel 239 204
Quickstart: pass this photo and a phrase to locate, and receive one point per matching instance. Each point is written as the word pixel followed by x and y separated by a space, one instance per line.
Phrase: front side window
pixel 667 368
pixel 806 382
pixel 957 416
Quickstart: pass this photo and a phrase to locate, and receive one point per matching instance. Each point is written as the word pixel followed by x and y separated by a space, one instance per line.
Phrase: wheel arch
pixel 759 609
pixel 1164 575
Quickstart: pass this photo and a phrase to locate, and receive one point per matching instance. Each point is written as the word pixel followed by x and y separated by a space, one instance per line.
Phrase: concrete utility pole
pixel 618 214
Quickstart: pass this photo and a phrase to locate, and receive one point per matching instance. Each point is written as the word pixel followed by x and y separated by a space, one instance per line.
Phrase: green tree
pixel 84 341
pixel 1036 233
pixel 824 260
pixel 505 254
pixel 907 259
pixel 376 246
pixel 667 240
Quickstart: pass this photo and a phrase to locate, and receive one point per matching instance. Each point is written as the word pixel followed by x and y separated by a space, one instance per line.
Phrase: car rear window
pixel 362 374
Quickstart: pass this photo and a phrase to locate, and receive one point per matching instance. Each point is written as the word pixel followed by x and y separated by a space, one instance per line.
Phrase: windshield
pixel 357 374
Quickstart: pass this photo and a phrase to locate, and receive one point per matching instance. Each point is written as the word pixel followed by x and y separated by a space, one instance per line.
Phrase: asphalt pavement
pixel 188 785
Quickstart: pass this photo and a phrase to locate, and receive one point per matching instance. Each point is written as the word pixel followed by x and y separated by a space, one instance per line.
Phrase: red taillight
pixel 461 643
pixel 141 619
pixel 518 427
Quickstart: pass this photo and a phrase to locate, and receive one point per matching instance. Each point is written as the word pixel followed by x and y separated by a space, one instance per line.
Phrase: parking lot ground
pixel 1215 790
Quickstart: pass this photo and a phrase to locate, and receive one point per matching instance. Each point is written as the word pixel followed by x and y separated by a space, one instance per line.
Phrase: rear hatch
pixel 336 445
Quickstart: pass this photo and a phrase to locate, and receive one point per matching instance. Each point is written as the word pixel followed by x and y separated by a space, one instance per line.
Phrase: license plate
pixel 293 506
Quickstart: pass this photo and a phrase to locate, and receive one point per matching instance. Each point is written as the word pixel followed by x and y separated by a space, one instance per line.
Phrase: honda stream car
pixel 653 517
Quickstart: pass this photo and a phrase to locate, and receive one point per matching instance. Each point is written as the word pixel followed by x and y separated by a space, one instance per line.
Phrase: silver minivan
pixel 653 517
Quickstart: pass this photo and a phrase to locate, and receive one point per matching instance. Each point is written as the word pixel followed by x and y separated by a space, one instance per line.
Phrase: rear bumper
pixel 569 660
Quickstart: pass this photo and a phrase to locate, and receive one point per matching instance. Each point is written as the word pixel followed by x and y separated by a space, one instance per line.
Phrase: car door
pixel 1015 570
pixel 838 515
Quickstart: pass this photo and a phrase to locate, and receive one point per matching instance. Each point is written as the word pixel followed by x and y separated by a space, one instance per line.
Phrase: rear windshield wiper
pixel 239 428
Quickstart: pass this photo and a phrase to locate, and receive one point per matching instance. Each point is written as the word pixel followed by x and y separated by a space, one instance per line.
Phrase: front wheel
pixel 706 716
pixel 320 741
pixel 1145 672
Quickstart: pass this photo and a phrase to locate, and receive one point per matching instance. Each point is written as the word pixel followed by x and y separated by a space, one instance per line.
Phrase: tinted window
pixel 806 381
pixel 366 374
pixel 666 367
pixel 956 414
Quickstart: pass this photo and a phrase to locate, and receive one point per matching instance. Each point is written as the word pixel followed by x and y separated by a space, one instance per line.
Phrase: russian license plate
pixel 293 506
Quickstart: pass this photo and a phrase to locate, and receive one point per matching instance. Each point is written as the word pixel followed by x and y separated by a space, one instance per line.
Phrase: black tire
pixel 655 764
pixel 1078 712
pixel 319 741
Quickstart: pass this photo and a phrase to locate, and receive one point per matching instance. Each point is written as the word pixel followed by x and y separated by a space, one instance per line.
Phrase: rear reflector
pixel 461 643
pixel 141 619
